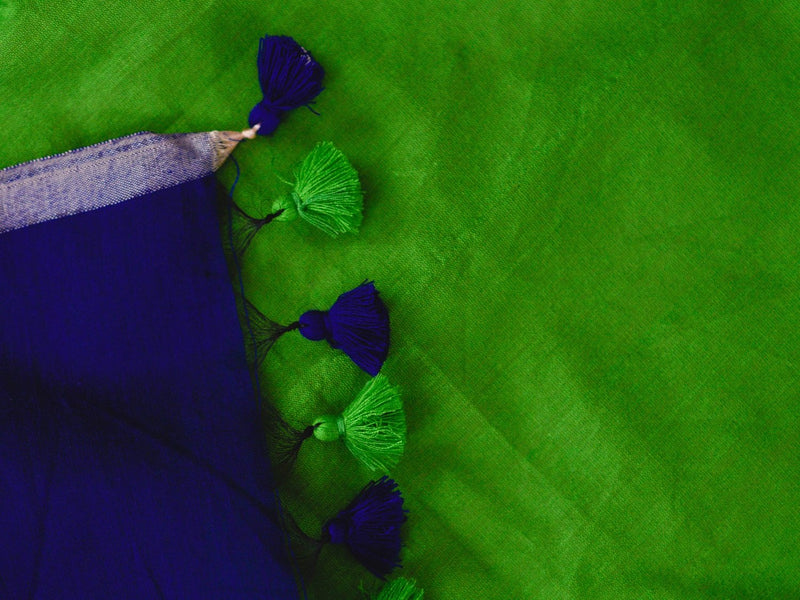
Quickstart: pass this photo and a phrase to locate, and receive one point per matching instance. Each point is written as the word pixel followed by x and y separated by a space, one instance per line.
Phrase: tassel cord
pixel 238 268
pixel 292 327
pixel 256 221
pixel 280 515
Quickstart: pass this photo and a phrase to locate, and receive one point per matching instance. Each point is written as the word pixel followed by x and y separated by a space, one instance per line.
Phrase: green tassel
pixel 326 193
pixel 373 426
pixel 400 589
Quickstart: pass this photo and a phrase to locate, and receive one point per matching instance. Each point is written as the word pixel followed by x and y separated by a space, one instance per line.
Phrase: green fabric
pixel 583 217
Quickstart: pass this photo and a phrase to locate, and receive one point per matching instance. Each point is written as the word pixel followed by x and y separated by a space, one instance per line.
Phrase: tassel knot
pixel 329 428
pixel 284 209
pixel 315 325
pixel 265 116
pixel 337 531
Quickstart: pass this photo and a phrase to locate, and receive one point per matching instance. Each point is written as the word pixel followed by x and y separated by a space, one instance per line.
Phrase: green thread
pixel 327 193
pixel 373 426
pixel 400 589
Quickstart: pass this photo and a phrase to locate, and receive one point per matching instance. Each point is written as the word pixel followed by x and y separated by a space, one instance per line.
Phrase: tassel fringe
pixel 327 193
pixel 265 333
pixel 370 527
pixel 400 589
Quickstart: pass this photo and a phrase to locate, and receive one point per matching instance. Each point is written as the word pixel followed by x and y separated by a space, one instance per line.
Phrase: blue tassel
pixel 370 527
pixel 289 77
pixel 357 324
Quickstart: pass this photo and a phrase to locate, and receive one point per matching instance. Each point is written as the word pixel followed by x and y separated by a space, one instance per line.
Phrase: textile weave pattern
pixel 583 219
pixel 101 175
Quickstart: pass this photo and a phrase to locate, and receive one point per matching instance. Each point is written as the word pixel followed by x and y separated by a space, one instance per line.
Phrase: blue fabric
pixel 133 464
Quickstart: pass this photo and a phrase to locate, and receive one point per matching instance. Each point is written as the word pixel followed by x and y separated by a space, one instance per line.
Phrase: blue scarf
pixel 133 462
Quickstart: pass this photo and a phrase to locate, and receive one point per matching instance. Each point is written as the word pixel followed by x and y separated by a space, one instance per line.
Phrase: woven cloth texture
pixel 583 217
